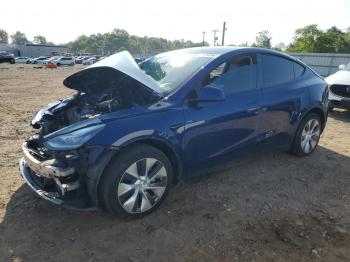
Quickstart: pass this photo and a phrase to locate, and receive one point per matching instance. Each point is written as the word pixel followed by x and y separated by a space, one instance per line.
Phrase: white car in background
pixel 39 60
pixel 90 61
pixel 339 88
pixel 64 61
pixel 50 60
pixel 81 59
pixel 22 60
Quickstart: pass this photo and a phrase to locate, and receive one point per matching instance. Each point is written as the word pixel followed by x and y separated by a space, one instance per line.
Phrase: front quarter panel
pixel 160 122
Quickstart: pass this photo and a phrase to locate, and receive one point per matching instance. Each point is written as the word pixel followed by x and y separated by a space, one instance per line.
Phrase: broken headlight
pixel 73 140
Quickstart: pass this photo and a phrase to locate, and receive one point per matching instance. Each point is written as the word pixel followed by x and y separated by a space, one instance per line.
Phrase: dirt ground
pixel 271 208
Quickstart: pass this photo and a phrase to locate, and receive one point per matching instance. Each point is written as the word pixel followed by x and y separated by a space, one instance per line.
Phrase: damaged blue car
pixel 133 130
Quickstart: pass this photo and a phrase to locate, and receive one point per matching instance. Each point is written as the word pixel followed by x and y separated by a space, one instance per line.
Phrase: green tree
pixel 305 39
pixel 313 40
pixel 4 37
pixel 280 47
pixel 19 38
pixel 263 39
pixel 337 41
pixel 39 39
pixel 79 45
pixel 118 39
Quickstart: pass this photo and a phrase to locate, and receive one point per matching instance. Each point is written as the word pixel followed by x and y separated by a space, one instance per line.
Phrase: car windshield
pixel 171 69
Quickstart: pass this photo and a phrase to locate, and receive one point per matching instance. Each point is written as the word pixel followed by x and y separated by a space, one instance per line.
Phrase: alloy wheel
pixel 142 185
pixel 310 135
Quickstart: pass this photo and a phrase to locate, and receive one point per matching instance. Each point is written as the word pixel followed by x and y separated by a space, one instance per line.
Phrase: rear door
pixel 283 93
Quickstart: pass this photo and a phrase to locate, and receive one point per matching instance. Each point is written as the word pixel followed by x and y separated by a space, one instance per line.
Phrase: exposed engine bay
pixel 57 166
pixel 100 91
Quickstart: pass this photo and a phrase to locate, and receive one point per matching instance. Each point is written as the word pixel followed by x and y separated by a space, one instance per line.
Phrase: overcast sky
pixel 63 20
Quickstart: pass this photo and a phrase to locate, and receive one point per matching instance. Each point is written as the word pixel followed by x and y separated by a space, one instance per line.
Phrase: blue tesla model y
pixel 133 130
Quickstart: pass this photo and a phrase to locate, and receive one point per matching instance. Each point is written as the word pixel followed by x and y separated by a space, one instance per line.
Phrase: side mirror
pixel 210 93
pixel 342 67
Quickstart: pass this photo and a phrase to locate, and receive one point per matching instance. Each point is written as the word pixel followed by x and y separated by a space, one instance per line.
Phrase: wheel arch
pixel 317 110
pixel 160 144
pixel 166 148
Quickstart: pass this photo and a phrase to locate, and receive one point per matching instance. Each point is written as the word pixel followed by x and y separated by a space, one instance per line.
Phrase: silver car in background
pixel 339 88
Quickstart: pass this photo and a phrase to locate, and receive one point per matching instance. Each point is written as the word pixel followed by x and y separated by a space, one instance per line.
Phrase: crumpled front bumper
pixel 27 177
pixel 68 195
pixel 45 168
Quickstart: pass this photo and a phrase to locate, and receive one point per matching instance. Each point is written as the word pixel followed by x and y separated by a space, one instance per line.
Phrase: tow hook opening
pixel 66 187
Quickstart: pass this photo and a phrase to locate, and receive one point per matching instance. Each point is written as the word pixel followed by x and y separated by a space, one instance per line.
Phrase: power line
pixel 215 37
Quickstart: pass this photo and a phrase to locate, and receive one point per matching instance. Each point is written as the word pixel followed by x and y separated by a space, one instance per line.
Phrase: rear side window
pixel 277 70
pixel 298 70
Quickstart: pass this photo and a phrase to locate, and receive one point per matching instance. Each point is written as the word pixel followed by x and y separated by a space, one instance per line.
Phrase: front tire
pixel 307 136
pixel 136 181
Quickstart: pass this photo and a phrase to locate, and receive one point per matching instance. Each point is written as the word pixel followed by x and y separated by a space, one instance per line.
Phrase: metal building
pixel 323 63
pixel 34 50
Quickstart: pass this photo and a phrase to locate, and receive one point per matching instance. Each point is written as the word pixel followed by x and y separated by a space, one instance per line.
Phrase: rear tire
pixel 136 181
pixel 307 136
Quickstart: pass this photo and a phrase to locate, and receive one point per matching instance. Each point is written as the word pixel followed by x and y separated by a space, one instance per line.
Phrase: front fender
pixel 98 160
pixel 100 157
pixel 159 129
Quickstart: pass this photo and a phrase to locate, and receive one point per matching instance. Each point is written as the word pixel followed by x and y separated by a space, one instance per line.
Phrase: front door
pixel 222 130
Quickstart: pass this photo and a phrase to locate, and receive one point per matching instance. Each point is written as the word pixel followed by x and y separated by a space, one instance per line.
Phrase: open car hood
pixel 118 66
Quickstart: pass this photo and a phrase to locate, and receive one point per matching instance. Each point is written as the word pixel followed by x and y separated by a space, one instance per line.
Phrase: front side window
pixel 170 69
pixel 277 70
pixel 239 75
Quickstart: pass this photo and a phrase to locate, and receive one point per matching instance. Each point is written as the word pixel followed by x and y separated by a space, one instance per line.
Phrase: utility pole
pixel 215 37
pixel 223 34
pixel 203 37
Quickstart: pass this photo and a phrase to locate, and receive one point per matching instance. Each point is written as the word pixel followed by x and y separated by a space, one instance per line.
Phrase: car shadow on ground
pixel 271 207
